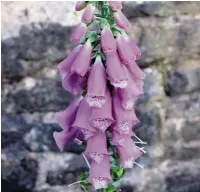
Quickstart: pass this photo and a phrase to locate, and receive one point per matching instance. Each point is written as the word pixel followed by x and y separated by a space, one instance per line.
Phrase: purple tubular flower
pixel 121 20
pixel 65 66
pixel 96 87
pixel 115 70
pixel 131 93
pixel 126 149
pixel 65 137
pixel 135 49
pixel 97 147
pixel 80 5
pixel 108 43
pixel 78 33
pixel 66 118
pixel 100 173
pixel 135 71
pixel 82 120
pixel 88 14
pixel 82 62
pixel 102 118
pixel 73 83
pixel 124 49
pixel 115 5
pixel 124 119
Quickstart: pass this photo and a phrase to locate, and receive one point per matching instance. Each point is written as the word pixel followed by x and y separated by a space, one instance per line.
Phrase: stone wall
pixel 35 37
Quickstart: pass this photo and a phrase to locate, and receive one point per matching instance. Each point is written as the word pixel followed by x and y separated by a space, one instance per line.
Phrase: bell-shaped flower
pixel 115 5
pixel 115 70
pixel 65 137
pixel 88 14
pixel 82 120
pixel 82 61
pixel 96 86
pixel 135 49
pixel 97 147
pixel 124 49
pixel 126 149
pixel 80 5
pixel 135 71
pixel 66 118
pixel 121 21
pixel 108 42
pixel 131 93
pixel 125 119
pixel 102 118
pixel 100 173
pixel 73 83
pixel 78 33
pixel 65 66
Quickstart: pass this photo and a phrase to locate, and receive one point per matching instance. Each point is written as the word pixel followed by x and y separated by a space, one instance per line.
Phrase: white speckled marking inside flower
pixel 121 84
pixel 121 142
pixel 87 133
pixel 102 124
pixel 100 182
pixel 125 127
pixel 129 163
pixel 95 101
pixel 98 157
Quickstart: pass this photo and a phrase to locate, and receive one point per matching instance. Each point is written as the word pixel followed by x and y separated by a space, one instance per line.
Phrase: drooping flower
pixel 88 14
pixel 73 83
pixel 108 43
pixel 65 66
pixel 80 5
pixel 100 173
pixel 125 119
pixel 115 5
pixel 82 62
pixel 102 118
pixel 124 49
pixel 135 49
pixel 97 147
pixel 126 149
pixel 82 120
pixel 66 118
pixel 121 20
pixel 135 71
pixel 115 70
pixel 131 93
pixel 65 137
pixel 78 33
pixel 96 87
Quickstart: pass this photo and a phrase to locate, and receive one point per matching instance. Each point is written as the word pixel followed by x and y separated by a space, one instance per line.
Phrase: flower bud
pixel 88 14
pixel 121 20
pixel 115 5
pixel 80 5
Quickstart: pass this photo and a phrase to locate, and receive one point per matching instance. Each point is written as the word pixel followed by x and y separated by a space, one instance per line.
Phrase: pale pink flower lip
pixel 100 173
pixel 121 21
pixel 115 5
pixel 115 70
pixel 135 49
pixel 102 118
pixel 82 62
pixel 96 87
pixel 80 5
pixel 78 33
pixel 65 66
pixel 108 43
pixel 88 14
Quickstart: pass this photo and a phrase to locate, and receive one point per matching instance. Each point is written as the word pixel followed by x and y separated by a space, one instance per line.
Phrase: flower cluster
pixel 103 75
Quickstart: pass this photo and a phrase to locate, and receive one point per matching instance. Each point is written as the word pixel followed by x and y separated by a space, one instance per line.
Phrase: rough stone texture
pixel 160 9
pixel 35 39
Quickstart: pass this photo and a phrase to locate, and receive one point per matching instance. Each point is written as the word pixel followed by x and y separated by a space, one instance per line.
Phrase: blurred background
pixel 35 38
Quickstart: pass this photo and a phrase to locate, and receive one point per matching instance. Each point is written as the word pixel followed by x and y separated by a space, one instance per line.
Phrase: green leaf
pixel 103 23
pixel 85 183
pixel 84 175
pixel 110 188
pixel 92 38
